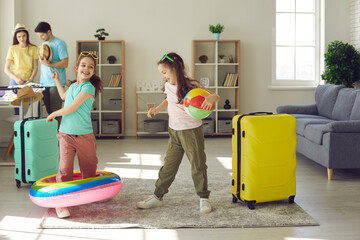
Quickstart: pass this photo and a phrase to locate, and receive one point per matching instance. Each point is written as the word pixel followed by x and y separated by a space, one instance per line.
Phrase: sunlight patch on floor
pixel 225 161
pixel 165 234
pixel 14 222
pixel 292 238
pixel 134 173
pixel 139 159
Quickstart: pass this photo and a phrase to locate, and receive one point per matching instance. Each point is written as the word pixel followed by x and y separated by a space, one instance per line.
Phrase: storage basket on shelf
pixel 155 125
pixel 111 126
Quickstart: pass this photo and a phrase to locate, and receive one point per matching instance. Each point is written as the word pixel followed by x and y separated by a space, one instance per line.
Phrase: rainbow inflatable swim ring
pixel 46 192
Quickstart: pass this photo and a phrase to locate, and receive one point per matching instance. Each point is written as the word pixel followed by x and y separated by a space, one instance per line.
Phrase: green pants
pixel 190 142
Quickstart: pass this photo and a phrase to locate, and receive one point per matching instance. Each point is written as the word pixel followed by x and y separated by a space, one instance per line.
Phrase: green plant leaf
pixel 216 29
pixel 342 64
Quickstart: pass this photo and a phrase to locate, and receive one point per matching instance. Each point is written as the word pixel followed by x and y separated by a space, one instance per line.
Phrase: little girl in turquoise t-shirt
pixel 75 134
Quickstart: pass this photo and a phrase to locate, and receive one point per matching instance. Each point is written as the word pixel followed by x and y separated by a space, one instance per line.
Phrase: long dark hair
pixel 95 80
pixel 184 83
pixel 15 41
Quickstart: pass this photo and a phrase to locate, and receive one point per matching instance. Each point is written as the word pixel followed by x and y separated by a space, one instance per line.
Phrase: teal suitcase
pixel 36 150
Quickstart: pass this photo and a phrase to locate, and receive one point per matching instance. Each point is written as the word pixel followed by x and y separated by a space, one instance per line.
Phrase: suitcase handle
pixel 260 113
pixel 31 118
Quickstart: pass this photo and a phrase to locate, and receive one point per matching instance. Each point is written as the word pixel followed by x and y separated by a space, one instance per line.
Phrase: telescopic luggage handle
pixel 260 113
pixel 31 118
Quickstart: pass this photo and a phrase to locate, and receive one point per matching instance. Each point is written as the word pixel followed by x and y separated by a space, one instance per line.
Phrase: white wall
pixel 151 28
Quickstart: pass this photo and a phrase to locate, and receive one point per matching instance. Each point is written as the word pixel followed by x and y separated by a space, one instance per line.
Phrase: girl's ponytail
pixel 96 81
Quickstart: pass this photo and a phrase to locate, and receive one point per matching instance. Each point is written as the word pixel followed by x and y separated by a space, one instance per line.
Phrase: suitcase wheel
pixel 18 183
pixel 250 204
pixel 291 199
pixel 234 199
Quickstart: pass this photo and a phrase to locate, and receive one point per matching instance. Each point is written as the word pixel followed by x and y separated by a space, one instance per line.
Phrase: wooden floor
pixel 335 204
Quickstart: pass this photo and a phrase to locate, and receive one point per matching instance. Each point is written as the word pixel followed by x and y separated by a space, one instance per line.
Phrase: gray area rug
pixel 180 210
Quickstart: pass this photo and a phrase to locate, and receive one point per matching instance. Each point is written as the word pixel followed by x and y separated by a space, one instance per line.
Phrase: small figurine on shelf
pixel 227 105
pixel 203 58
pixel 231 59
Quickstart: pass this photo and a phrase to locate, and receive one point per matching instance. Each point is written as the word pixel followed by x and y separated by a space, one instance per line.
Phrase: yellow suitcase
pixel 263 158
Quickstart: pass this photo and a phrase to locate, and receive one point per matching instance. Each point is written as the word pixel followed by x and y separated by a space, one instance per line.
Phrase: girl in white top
pixel 186 133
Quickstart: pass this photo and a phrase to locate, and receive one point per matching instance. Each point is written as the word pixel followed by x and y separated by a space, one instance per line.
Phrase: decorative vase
pixel 216 36
pixel 111 59
pixel 227 105
pixel 222 60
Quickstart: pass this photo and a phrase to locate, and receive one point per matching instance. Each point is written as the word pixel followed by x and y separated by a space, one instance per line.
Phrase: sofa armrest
pixel 310 109
pixel 343 127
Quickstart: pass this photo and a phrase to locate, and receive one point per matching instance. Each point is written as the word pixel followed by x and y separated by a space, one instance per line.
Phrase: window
pixel 297 43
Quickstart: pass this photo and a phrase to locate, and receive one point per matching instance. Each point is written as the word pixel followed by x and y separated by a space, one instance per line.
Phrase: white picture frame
pixel 205 81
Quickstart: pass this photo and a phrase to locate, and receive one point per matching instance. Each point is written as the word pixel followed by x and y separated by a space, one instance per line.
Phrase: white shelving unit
pixel 216 72
pixel 107 71
pixel 142 98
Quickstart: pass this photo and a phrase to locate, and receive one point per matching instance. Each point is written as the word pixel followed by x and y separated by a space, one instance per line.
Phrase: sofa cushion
pixel 355 112
pixel 352 126
pixel 307 116
pixel 314 133
pixel 325 98
pixel 344 104
pixel 301 123
pixel 309 109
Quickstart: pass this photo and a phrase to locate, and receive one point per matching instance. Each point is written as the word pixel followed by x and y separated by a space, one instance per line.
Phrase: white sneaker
pixel 150 202
pixel 205 206
pixel 62 212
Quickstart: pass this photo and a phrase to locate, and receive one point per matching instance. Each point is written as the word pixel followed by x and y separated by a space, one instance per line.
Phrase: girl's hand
pixel 20 81
pixel 152 111
pixel 55 75
pixel 50 118
pixel 209 102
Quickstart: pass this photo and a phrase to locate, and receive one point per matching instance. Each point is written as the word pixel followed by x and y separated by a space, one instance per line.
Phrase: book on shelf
pixel 115 80
pixel 236 77
pixel 226 79
pixel 230 80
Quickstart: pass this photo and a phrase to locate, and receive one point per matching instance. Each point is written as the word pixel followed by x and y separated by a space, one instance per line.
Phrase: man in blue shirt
pixel 59 62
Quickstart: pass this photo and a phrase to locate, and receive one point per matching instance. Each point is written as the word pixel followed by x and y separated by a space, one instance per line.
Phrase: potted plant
pixel 100 34
pixel 222 58
pixel 216 30
pixel 111 59
pixel 342 64
pixel 203 58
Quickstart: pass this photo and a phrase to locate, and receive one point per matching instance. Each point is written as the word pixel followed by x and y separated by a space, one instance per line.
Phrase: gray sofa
pixel 328 132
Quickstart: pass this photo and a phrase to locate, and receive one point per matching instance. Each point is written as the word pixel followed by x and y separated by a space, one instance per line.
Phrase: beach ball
pixel 192 103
